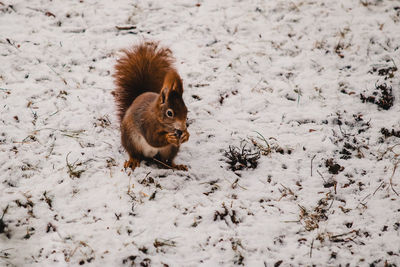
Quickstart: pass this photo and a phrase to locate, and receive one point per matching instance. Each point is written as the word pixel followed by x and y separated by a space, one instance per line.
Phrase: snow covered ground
pixel 310 85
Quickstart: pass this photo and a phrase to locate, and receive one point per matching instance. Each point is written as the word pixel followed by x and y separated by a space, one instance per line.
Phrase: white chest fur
pixel 147 150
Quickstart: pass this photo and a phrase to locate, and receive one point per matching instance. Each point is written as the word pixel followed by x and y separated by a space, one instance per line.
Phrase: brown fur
pixel 148 86
pixel 141 69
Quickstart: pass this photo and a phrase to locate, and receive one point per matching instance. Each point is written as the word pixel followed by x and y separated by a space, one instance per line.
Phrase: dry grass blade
pixel 72 168
pixel 311 219
pixel 343 237
pixel 163 242
pixel 72 134
pixel 3 225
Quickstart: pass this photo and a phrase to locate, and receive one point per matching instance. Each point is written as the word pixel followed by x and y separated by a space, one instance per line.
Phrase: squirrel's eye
pixel 170 113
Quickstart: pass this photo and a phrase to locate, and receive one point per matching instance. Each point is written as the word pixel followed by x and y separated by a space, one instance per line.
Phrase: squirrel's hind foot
pixel 179 167
pixel 132 163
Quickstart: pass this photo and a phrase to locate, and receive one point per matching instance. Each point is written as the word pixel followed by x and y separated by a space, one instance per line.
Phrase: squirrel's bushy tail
pixel 140 69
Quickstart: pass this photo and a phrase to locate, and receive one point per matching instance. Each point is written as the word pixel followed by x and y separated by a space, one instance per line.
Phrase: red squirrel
pixel 150 106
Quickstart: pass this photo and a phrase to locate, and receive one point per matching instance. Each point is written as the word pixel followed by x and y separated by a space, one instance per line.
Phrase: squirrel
pixel 150 106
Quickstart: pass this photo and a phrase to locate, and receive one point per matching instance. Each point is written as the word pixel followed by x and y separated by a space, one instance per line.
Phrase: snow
pixel 291 72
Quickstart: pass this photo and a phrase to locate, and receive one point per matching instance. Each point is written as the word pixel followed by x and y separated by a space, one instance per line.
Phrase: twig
pixel 291 221
pixel 4 213
pixel 65 82
pixel 363 200
pixel 141 232
pixel 298 91
pixel 321 176
pixel 311 247
pixel 378 188
pixel 51 150
pixel 45 12
pixel 81 243
pixel 391 178
pixel 286 191
pixel 236 183
pixel 124 28
pixel 391 150
pixel 311 163
pixel 164 242
pixel 394 63
pixel 162 163
pixel 330 206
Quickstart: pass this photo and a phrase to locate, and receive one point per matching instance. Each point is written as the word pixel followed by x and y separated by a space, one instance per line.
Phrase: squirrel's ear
pixel 164 95
pixel 178 88
pixel 172 82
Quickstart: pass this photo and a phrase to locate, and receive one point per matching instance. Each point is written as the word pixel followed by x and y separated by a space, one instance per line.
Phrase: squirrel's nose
pixel 178 133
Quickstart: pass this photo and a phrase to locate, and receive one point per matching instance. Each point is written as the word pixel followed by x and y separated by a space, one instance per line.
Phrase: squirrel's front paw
pixel 184 137
pixel 172 139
